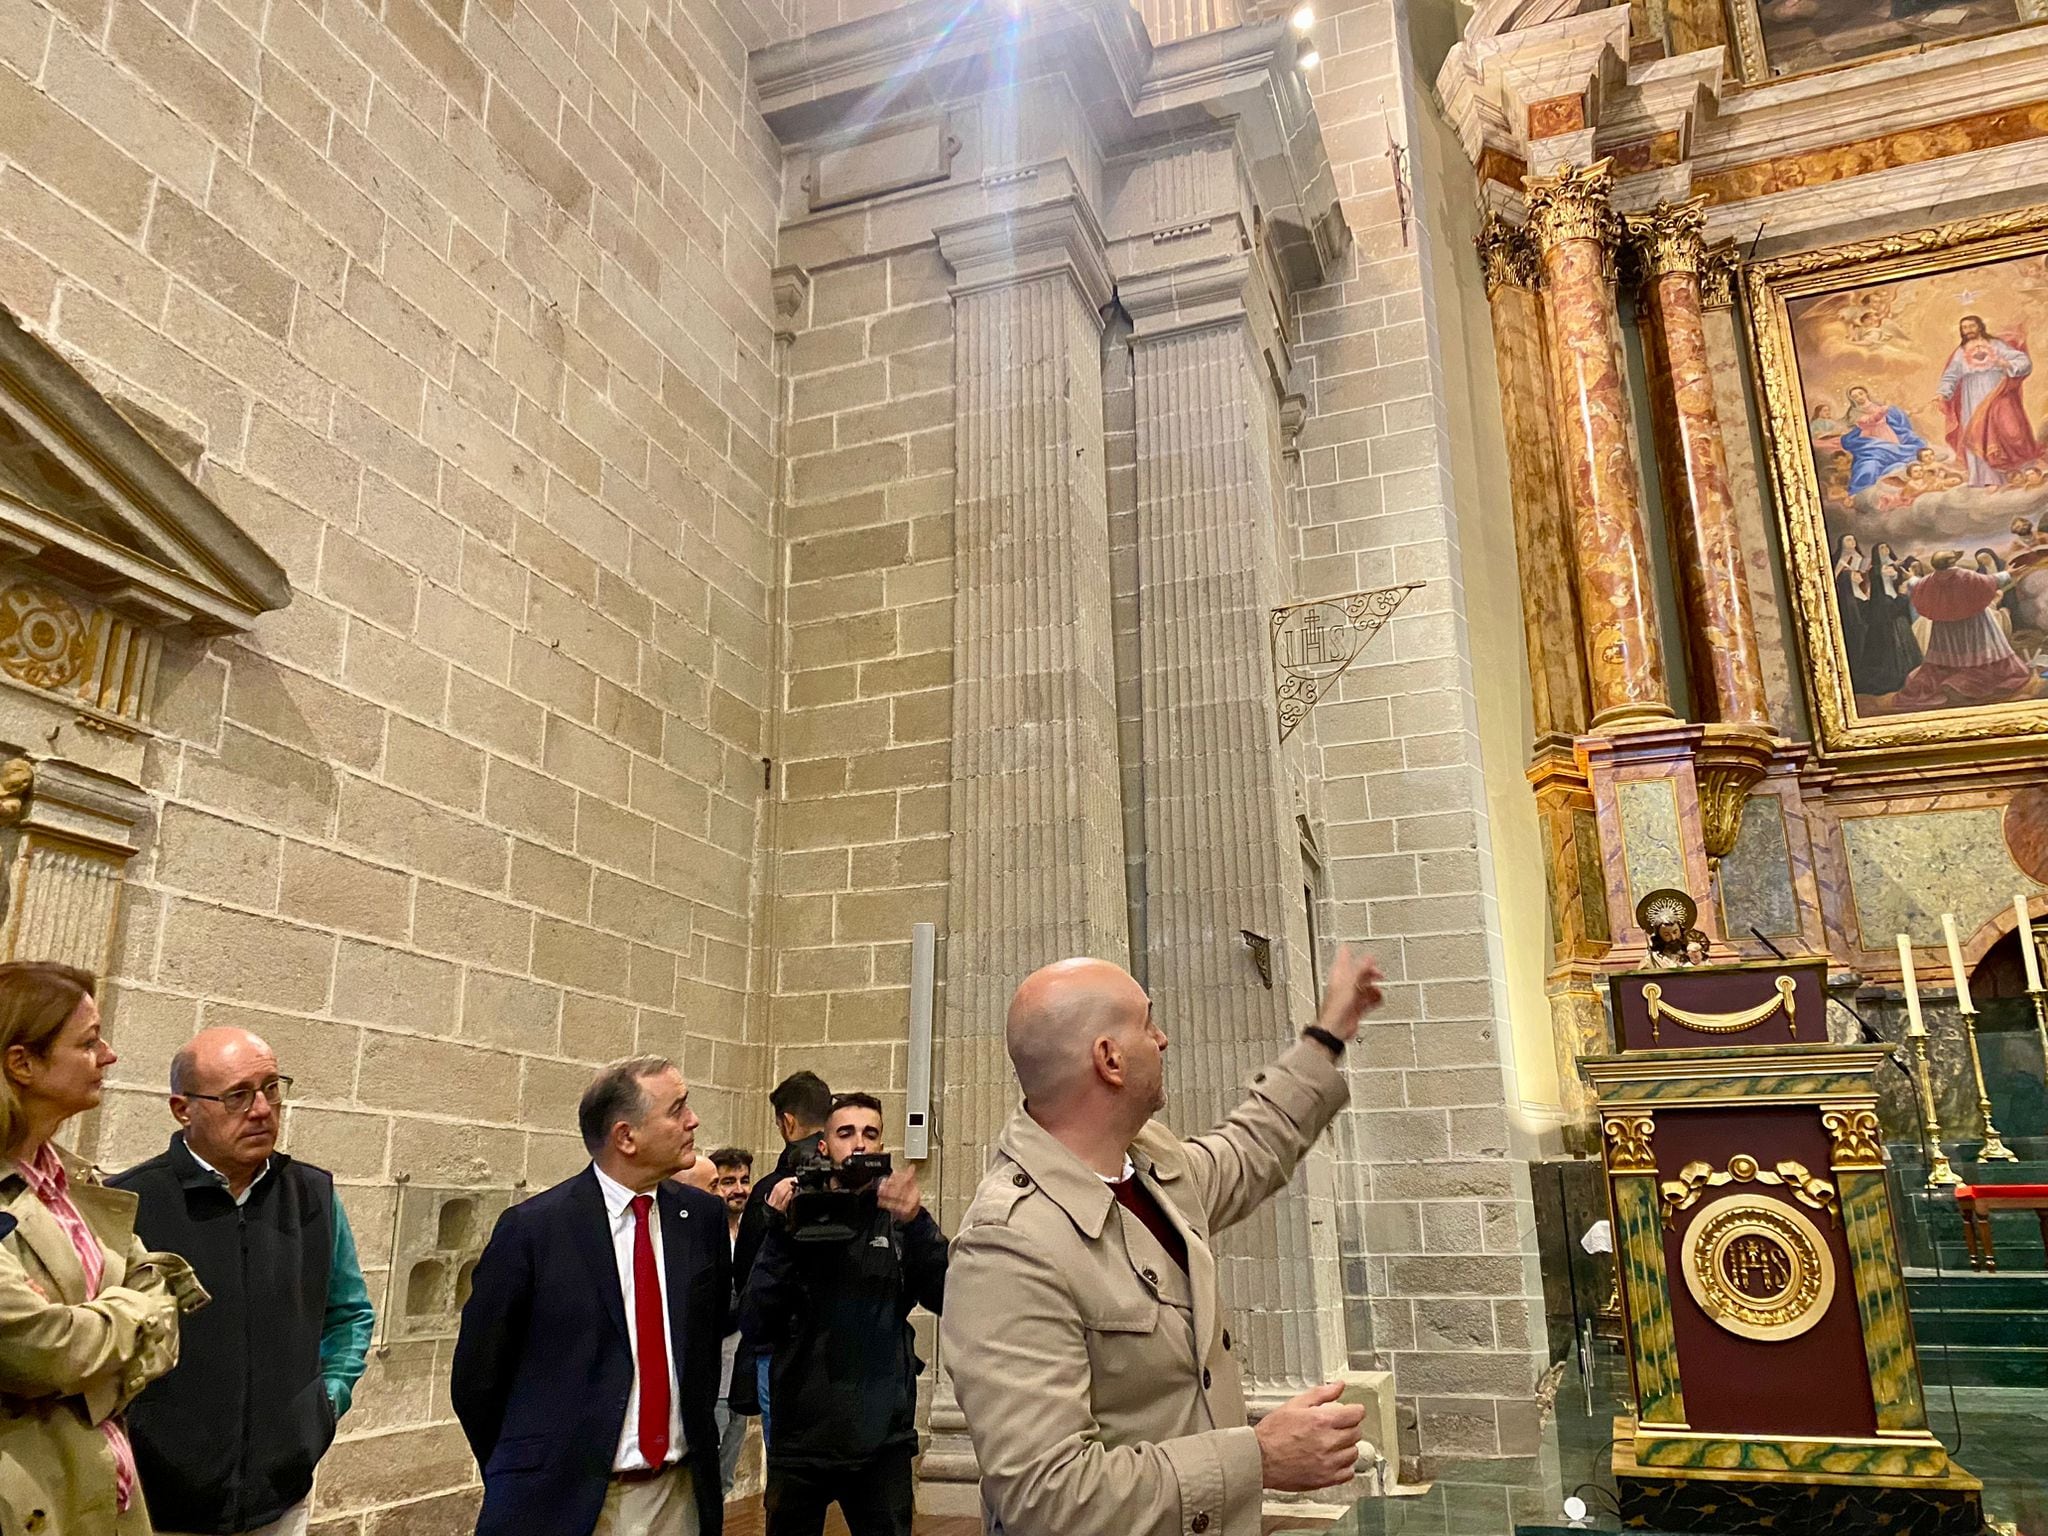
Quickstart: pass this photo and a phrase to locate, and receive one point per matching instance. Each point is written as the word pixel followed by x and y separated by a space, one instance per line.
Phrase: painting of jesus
pixel 1910 440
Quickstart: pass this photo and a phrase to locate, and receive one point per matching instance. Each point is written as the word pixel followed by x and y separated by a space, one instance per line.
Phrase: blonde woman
pixel 87 1317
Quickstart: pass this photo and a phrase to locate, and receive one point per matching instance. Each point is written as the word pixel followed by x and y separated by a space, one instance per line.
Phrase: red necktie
pixel 652 1350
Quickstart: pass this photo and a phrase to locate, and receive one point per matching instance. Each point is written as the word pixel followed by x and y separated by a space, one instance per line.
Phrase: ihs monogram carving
pixel 44 640
pixel 1855 1135
pixel 1628 1144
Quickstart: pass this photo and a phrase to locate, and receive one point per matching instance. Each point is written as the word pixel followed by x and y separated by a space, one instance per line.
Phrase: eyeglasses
pixel 236 1101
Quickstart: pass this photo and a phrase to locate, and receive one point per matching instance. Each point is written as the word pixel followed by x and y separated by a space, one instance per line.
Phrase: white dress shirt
pixel 247 1190
pixel 618 1207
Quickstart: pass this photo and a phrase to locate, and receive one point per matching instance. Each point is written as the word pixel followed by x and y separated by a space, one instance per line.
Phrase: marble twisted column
pixel 1221 852
pixel 1573 229
pixel 1670 247
pixel 1543 530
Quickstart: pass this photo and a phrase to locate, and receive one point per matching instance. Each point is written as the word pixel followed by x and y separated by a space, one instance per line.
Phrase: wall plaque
pixel 1315 642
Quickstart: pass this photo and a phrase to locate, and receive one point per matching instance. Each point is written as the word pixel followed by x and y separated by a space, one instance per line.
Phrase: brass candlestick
pixel 1994 1149
pixel 1939 1173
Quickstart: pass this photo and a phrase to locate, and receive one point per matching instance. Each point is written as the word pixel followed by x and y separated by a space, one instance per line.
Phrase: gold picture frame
pixel 1784 293
pixel 1758 57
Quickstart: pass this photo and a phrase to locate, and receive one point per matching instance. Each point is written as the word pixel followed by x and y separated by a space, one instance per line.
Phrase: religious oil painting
pixel 1909 436
pixel 1793 37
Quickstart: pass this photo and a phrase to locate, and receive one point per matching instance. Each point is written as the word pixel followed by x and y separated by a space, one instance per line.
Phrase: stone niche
pixel 107 550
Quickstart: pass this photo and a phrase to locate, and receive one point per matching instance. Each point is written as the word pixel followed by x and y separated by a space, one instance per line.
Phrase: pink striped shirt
pixel 52 1186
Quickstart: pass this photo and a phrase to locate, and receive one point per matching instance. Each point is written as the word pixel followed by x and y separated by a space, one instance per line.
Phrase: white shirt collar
pixel 617 1198
pixel 1120 1178
pixel 261 1173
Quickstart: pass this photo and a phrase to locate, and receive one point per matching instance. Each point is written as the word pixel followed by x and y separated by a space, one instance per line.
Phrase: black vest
pixel 229 1439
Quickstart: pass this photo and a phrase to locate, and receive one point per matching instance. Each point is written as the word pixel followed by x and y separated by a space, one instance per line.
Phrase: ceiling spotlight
pixel 1303 18
pixel 1307 57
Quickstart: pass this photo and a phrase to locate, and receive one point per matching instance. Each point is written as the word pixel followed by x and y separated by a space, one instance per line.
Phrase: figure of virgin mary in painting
pixel 1880 440
pixel 1981 395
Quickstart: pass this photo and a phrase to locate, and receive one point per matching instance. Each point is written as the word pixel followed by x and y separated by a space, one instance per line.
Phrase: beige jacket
pixel 1096 1377
pixel 67 1363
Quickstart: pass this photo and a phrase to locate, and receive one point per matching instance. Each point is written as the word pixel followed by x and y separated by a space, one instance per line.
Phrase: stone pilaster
pixel 1670 248
pixel 1036 864
pixel 1221 852
pixel 1550 610
pixel 1573 228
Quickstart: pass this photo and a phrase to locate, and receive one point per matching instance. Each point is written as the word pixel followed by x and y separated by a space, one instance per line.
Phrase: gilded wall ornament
pixel 1718 272
pixel 44 640
pixel 1506 254
pixel 1732 1022
pixel 1856 1138
pixel 1758 1268
pixel 1628 1143
pixel 17 782
pixel 1695 1179
pixel 1670 238
pixel 1572 205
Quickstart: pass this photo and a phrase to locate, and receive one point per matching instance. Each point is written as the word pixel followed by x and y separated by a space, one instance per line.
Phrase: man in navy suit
pixel 588 1359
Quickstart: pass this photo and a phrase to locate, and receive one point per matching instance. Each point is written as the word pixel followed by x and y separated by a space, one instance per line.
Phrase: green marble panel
pixel 1756 875
pixel 1906 870
pixel 1651 843
pixel 1758 1085
pixel 1843 1458
pixel 1881 1301
pixel 1646 1289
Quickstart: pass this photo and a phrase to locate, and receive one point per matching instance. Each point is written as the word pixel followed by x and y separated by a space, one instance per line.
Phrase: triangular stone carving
pixel 90 503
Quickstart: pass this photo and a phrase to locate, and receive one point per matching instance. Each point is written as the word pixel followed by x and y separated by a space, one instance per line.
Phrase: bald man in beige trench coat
pixel 1083 1331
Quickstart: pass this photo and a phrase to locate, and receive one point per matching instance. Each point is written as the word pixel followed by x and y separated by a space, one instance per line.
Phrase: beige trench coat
pixel 1096 1378
pixel 66 1363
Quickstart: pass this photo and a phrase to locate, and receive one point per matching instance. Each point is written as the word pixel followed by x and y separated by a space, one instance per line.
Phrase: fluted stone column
pixel 1037 859
pixel 1670 246
pixel 1221 852
pixel 1543 551
pixel 1037 856
pixel 1573 228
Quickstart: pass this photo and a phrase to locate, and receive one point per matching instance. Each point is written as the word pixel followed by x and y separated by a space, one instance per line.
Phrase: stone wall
pixel 864 736
pixel 464 310
pixel 1435 1219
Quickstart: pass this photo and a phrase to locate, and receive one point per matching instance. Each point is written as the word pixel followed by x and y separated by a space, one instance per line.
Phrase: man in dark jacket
pixel 801 1102
pixel 833 1316
pixel 587 1362
pixel 227 1442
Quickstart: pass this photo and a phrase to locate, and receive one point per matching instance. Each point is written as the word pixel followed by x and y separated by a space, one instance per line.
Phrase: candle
pixel 1914 1027
pixel 2031 960
pixel 1955 962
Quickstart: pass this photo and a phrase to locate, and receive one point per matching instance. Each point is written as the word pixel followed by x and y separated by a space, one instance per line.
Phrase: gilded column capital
pixel 1718 271
pixel 1571 204
pixel 1506 255
pixel 1670 238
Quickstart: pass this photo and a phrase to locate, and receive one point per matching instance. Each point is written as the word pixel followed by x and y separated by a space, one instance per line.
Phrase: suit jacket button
pixel 1021 1180
pixel 1200 1522
pixel 1205 1378
pixel 1150 1276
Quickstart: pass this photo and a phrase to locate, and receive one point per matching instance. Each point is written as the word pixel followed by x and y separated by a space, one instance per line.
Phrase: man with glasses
pixel 227 1442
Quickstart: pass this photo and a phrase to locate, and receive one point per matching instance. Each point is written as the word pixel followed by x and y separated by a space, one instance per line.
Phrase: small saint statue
pixel 1667 919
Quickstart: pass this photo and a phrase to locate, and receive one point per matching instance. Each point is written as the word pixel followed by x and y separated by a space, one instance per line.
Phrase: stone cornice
pixel 854 82
pixel 1018 245
pixel 94 502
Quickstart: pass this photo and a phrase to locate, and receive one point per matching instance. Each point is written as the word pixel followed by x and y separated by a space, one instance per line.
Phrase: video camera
pixel 833 1200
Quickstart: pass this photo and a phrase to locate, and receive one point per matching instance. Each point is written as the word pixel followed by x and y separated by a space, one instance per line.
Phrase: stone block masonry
pixel 465 308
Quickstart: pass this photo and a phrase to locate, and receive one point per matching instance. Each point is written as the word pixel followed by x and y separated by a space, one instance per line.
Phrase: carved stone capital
pixel 1718 270
pixel 1670 238
pixel 1506 255
pixel 1572 204
pixel 792 288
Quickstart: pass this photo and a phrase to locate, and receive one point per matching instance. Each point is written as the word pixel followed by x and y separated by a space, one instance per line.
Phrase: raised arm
pixel 1254 1152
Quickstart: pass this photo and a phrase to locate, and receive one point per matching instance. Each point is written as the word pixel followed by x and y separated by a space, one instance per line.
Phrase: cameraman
pixel 829 1300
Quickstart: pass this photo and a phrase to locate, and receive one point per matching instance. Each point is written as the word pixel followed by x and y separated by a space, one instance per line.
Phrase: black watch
pixel 1322 1036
